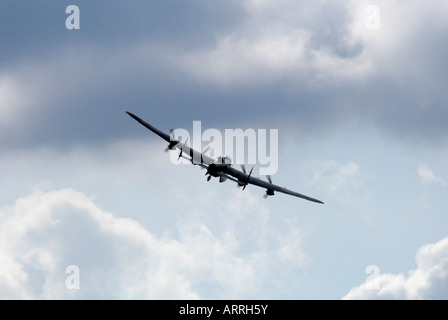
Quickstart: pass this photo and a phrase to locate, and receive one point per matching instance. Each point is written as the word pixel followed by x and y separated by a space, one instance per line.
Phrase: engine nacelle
pixel 270 192
pixel 222 178
pixel 171 145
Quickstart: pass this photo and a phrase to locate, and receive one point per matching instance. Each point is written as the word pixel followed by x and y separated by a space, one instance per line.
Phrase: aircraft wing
pixel 244 178
pixel 196 156
pixel 273 187
pixel 161 134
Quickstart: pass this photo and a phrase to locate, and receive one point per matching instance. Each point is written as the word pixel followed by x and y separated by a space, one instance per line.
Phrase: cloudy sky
pixel 356 89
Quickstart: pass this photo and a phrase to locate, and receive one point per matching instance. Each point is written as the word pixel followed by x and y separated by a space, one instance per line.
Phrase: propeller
pixel 181 149
pixel 243 167
pixel 268 192
pixel 171 144
pixel 207 172
pixel 248 177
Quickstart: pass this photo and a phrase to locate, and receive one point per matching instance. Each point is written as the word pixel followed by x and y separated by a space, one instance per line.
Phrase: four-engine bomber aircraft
pixel 220 167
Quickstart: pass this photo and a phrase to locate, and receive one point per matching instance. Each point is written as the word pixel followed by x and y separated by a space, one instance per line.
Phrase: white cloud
pixel 427 176
pixel 273 246
pixel 222 255
pixel 45 232
pixel 406 50
pixel 276 42
pixel 294 44
pixel 325 43
pixel 428 281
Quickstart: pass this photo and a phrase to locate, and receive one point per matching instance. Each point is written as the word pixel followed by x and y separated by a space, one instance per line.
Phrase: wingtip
pixel 317 201
pixel 132 115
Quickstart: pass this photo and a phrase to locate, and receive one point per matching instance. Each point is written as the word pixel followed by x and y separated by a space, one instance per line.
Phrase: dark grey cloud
pixel 31 28
pixel 86 96
pixel 131 56
pixel 329 29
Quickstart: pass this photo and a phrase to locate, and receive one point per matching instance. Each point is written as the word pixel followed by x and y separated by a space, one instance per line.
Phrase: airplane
pixel 221 167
